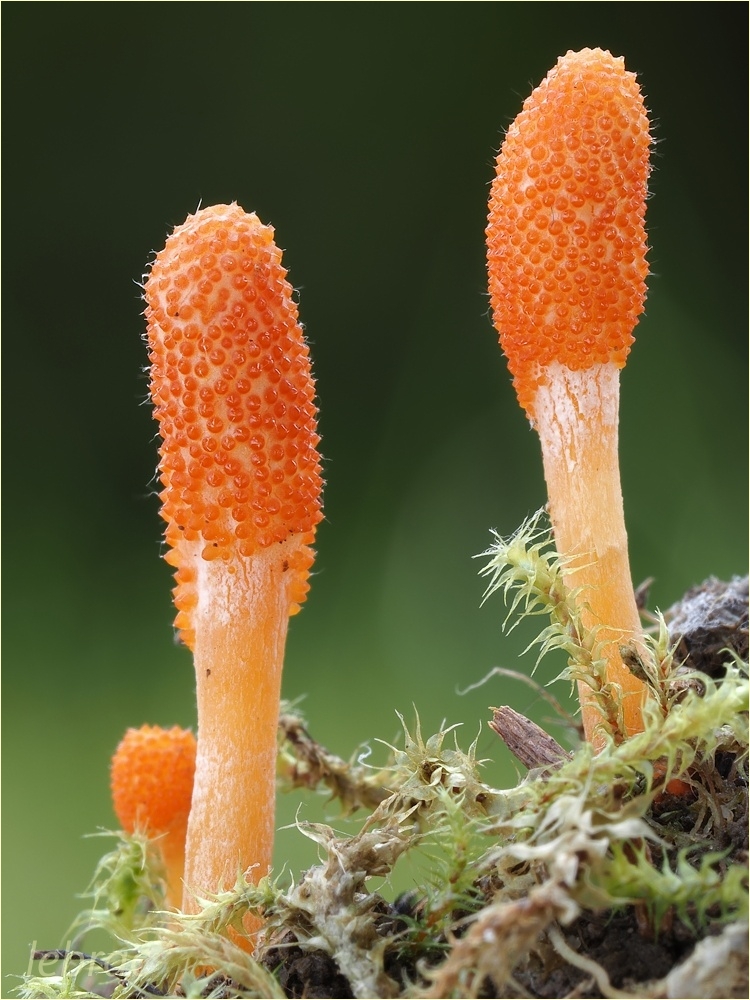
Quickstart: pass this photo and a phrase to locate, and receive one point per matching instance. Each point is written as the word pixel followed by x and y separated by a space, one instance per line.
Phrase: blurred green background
pixel 365 133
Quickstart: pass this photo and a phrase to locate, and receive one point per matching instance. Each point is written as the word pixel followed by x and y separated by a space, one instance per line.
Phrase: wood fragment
pixel 526 740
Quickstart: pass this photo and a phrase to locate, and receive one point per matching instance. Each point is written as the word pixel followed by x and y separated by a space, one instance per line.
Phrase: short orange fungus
pixel 566 237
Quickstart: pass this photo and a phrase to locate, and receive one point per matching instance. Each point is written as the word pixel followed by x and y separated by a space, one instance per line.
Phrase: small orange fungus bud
pixel 152 785
pixel 566 237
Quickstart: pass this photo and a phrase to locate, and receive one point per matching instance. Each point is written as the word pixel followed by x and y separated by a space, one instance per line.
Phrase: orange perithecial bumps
pixel 151 778
pixel 233 394
pixel 566 252
pixel 566 243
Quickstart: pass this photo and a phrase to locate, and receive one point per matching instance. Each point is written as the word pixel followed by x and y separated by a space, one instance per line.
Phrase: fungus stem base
pixel 240 624
pixel 576 415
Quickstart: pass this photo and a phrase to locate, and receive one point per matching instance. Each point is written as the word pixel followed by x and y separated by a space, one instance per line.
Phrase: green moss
pixel 505 869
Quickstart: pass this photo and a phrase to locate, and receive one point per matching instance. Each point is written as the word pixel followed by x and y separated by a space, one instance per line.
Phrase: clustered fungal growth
pixel 566 253
pixel 151 778
pixel 234 397
pixel 530 890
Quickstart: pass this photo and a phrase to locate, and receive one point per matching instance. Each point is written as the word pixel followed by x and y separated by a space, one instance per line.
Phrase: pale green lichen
pixel 506 871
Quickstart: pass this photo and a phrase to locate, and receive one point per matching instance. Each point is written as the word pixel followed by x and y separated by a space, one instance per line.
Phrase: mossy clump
pixel 620 874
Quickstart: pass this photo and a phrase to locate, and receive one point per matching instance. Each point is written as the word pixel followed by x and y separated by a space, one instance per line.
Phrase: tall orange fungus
pixel 566 259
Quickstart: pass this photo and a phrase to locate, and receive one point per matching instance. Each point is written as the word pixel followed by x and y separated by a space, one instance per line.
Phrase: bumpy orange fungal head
pixel 233 391
pixel 566 243
pixel 152 779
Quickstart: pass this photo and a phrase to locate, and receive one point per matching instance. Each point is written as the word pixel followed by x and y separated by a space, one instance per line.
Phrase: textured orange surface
pixel 234 397
pixel 566 243
pixel 152 779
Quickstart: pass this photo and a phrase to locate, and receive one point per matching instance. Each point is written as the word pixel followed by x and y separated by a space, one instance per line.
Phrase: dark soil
pixel 626 948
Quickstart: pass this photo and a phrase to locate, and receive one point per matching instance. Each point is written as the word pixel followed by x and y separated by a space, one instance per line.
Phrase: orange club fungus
pixel 566 251
pixel 233 395
pixel 151 777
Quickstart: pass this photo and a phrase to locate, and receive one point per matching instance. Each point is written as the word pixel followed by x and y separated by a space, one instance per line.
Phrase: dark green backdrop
pixel 365 134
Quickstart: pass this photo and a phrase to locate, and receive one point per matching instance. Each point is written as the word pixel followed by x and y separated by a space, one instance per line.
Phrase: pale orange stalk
pixel 151 778
pixel 567 267
pixel 234 396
